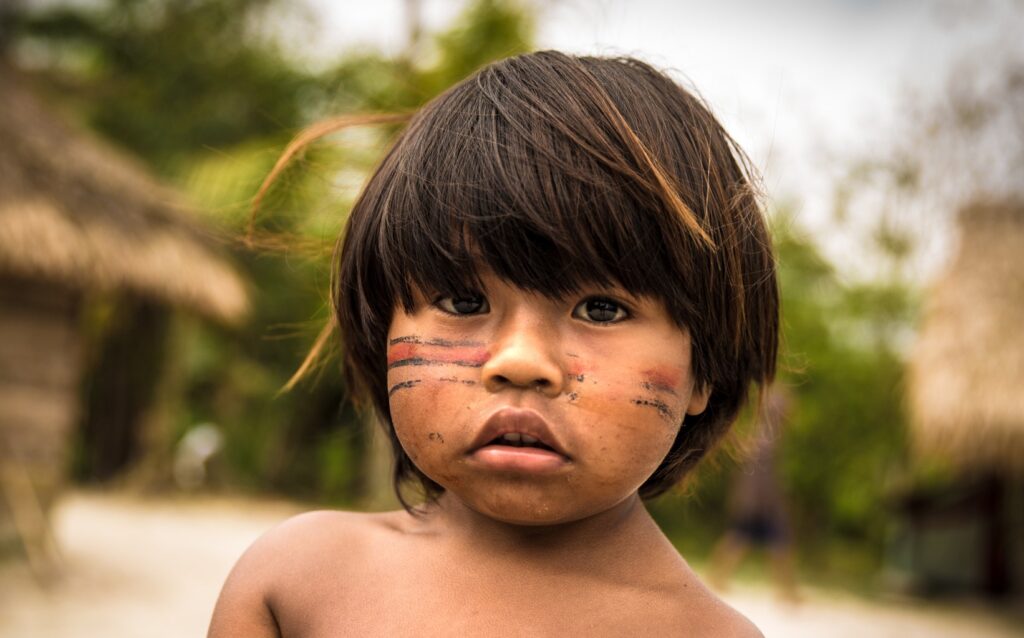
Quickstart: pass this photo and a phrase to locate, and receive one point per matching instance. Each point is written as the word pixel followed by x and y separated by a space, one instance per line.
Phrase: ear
pixel 699 398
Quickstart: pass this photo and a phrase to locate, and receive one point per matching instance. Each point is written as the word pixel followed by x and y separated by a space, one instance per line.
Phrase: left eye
pixel 600 310
pixel 468 305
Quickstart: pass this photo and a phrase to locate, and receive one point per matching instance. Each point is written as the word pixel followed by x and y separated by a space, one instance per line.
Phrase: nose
pixel 524 356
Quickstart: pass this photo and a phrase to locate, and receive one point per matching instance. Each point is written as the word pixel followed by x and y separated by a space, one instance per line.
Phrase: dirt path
pixel 153 568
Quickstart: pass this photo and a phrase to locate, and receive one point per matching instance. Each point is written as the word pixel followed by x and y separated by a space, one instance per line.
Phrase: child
pixel 556 289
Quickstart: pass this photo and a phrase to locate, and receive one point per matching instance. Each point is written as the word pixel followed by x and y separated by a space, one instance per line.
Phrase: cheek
pixel 663 379
pixel 429 377
pixel 417 434
pixel 630 431
pixel 629 415
pixel 410 401
pixel 430 419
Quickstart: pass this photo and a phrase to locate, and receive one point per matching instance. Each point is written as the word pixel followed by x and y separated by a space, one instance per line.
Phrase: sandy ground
pixel 153 568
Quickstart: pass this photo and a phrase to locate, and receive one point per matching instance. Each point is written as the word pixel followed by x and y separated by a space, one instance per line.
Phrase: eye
pixel 600 310
pixel 463 305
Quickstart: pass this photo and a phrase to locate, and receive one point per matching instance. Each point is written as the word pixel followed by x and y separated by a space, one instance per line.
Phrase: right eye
pixel 463 305
pixel 600 310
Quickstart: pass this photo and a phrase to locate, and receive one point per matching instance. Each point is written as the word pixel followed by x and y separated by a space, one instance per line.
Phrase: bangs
pixel 506 183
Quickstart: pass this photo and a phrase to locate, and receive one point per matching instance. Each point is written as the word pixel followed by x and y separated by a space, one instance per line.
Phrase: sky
pixel 806 87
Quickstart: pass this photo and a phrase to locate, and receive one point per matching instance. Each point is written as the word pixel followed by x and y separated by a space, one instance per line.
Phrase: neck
pixel 619 532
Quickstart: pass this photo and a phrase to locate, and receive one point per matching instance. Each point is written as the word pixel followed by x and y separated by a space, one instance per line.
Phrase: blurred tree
pixel 843 346
pixel 201 91
pixel 845 440
pixel 166 79
pixel 487 30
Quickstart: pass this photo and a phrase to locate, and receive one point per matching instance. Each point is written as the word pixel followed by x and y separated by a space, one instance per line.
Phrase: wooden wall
pixel 40 363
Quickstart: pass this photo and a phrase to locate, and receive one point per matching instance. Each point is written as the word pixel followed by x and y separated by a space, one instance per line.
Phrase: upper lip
pixel 523 421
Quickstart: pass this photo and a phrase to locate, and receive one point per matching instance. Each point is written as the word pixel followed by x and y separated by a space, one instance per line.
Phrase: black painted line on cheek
pixel 658 387
pixel 420 361
pixel 404 385
pixel 443 343
pixel 457 380
pixel 660 406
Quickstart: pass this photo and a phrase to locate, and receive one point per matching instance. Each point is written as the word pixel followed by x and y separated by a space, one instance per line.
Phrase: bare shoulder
pixel 726 622
pixel 309 538
pixel 708 615
pixel 312 534
pixel 287 562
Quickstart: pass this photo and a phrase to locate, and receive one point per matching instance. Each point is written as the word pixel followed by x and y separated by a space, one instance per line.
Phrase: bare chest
pixel 448 602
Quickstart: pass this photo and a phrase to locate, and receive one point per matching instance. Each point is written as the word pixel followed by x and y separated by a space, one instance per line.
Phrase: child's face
pixel 601 380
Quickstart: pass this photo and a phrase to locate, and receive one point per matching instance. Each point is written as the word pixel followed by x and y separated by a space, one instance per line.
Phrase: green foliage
pixel 166 79
pixel 488 30
pixel 841 354
pixel 845 442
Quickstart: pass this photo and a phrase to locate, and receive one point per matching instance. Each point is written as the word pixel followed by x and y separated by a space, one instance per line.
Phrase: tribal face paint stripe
pixel 657 387
pixel 662 379
pixel 404 385
pixel 433 342
pixel 414 351
pixel 663 410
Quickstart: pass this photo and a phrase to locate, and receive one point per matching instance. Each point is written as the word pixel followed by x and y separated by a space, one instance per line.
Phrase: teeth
pixel 518 439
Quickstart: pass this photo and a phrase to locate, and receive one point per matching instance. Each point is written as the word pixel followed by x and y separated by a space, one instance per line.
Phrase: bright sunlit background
pixel 144 437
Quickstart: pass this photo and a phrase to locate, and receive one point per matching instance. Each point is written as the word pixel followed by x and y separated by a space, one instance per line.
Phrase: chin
pixel 521 509
pixel 528 518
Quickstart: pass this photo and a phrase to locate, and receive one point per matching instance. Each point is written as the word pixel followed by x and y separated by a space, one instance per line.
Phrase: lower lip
pixel 506 458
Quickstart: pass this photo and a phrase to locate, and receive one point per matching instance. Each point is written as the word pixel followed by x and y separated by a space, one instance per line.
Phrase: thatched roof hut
pixel 966 387
pixel 76 216
pixel 74 211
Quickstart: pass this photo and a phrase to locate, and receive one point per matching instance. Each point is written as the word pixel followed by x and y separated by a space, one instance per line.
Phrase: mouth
pixel 518 440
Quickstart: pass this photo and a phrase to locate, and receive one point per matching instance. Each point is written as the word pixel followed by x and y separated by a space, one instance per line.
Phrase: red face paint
pixel 662 378
pixel 427 354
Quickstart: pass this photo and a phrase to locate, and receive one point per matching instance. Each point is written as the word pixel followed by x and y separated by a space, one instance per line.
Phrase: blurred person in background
pixel 759 513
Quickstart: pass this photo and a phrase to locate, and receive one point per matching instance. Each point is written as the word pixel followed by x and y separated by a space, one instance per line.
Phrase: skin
pixel 571 551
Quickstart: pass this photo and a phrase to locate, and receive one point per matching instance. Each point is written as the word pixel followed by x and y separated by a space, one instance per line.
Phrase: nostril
pixel 518 368
pixel 537 384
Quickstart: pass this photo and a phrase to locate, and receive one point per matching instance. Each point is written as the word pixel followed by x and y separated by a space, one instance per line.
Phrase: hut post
pixel 40 365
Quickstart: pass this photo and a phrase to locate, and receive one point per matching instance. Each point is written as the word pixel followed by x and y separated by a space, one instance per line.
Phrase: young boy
pixel 556 290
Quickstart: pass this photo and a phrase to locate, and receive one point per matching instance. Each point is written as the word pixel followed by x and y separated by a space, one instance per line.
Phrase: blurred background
pixel 145 439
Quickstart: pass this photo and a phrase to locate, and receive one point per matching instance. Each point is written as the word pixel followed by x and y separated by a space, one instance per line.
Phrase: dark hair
pixel 602 170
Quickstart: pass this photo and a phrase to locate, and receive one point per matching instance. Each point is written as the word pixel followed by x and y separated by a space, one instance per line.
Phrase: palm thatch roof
pixel 73 210
pixel 967 369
